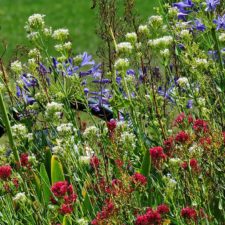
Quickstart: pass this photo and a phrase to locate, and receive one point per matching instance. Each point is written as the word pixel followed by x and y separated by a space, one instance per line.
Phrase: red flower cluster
pixel 63 190
pixel 152 216
pixel 200 126
pixel 111 125
pixel 168 144
pixel 182 137
pixel 5 172
pixel 94 162
pixel 180 119
pixel 157 153
pixel 189 213
pixel 193 164
pixel 24 160
pixel 106 212
pixel 139 179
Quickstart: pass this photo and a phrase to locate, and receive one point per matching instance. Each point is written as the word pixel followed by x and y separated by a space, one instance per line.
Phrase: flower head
pixel 211 5
pixel 5 172
pixel 189 213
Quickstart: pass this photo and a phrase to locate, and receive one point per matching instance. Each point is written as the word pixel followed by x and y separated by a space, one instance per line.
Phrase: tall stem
pixel 8 128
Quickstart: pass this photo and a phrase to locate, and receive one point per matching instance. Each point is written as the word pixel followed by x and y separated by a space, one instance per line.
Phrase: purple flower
pixel 199 25
pixel 189 104
pixel 182 7
pixel 86 60
pixel 211 5
pixel 220 22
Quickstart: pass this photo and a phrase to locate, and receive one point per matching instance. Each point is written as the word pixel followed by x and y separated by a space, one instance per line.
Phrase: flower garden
pixel 132 136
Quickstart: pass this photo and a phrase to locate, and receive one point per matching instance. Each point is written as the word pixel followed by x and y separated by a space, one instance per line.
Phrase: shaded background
pixel 75 15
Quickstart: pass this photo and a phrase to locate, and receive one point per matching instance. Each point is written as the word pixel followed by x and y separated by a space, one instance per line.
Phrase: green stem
pixel 8 128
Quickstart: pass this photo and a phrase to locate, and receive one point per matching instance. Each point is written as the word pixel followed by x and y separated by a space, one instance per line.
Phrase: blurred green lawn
pixel 75 15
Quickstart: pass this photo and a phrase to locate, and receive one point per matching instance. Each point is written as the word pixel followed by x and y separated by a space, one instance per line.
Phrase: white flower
pixel 92 130
pixel 222 37
pixel 65 128
pixel 155 20
pixel 131 37
pixel 165 53
pixel 121 64
pixel 54 106
pixel 185 34
pixel 60 34
pixel 16 67
pixel 128 138
pixel 57 149
pixel 47 32
pixel 124 47
pixel 20 197
pixel 82 221
pixel 34 53
pixel 173 11
pixel 163 41
pixel 174 161
pixel 183 81
pixel 35 21
pixel 19 130
pixel 143 29
pixel 33 36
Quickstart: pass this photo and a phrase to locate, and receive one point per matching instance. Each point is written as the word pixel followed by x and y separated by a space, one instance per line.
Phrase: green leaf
pixel 87 206
pixel 45 184
pixel 37 186
pixel 67 220
pixel 145 167
pixel 56 170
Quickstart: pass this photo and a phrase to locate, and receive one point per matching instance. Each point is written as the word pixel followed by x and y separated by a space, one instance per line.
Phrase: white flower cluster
pixel 201 62
pixel 173 11
pixel 175 162
pixel 63 47
pixel 34 53
pixel 35 21
pixel 16 67
pixel 183 82
pixel 54 110
pixel 155 21
pixel 65 128
pixel 19 130
pixel 131 37
pixel 222 37
pixel 165 53
pixel 121 64
pixel 60 34
pixel 33 36
pixel 20 197
pixel 161 42
pixel 124 47
pixel 143 29
pixel 128 138
pixel 90 131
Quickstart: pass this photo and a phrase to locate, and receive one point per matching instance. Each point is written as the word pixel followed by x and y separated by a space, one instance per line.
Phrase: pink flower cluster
pixel 152 216
pixel 5 172
pixel 139 179
pixel 157 154
pixel 66 196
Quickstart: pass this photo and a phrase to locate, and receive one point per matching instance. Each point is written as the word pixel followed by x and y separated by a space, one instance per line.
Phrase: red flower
pixel 157 153
pixel 190 119
pixel 119 162
pixel 200 126
pixel 149 218
pixel 5 172
pixel 180 118
pixel 69 199
pixel 66 209
pixel 94 162
pixel 163 209
pixel 168 144
pixel 59 188
pixel 111 125
pixel 139 178
pixel 24 159
pixel 15 182
pixel 182 137
pixel 205 141
pixel 184 165
pixel 189 213
pixel 194 164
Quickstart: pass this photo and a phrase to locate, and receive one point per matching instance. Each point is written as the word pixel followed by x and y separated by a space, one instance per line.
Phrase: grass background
pixel 75 15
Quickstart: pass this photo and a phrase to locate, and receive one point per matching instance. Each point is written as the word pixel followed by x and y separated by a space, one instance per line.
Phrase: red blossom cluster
pixel 152 217
pixel 200 126
pixel 182 137
pixel 157 154
pixel 111 125
pixel 104 214
pixel 189 213
pixel 5 172
pixel 65 196
pixel 94 162
pixel 138 178
pixel 193 164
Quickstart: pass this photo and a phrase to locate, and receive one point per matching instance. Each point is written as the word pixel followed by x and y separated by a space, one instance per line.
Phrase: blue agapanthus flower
pixel 199 25
pixel 189 104
pixel 183 8
pixel 220 22
pixel 211 5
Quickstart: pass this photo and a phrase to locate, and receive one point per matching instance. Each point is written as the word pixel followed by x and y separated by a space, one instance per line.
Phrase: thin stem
pixel 8 128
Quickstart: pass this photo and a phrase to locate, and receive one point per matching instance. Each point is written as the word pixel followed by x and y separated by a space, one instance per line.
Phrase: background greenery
pixel 75 15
